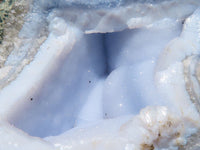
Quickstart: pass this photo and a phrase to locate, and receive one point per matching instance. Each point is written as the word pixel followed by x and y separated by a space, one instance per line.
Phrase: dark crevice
pixel 106 55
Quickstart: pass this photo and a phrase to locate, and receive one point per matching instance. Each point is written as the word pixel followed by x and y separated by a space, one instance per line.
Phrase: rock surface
pixel 85 75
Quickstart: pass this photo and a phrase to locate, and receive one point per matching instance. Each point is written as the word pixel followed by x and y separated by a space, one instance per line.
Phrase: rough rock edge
pixel 12 43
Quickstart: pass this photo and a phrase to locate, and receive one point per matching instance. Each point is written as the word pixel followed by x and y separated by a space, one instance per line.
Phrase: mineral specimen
pixel 90 75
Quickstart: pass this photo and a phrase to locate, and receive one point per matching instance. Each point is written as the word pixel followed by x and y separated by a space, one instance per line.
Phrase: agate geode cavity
pixel 91 75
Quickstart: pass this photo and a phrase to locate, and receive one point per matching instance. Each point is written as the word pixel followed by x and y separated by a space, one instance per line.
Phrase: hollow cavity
pixel 104 76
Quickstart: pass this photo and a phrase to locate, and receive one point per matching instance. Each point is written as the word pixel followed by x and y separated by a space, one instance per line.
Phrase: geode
pixel 114 74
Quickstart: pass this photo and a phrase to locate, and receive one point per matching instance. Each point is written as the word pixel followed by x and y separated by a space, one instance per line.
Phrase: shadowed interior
pixel 118 58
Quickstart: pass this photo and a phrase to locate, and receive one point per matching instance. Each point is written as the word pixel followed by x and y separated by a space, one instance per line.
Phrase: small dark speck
pixel 89 81
pixel 31 98
pixel 105 114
